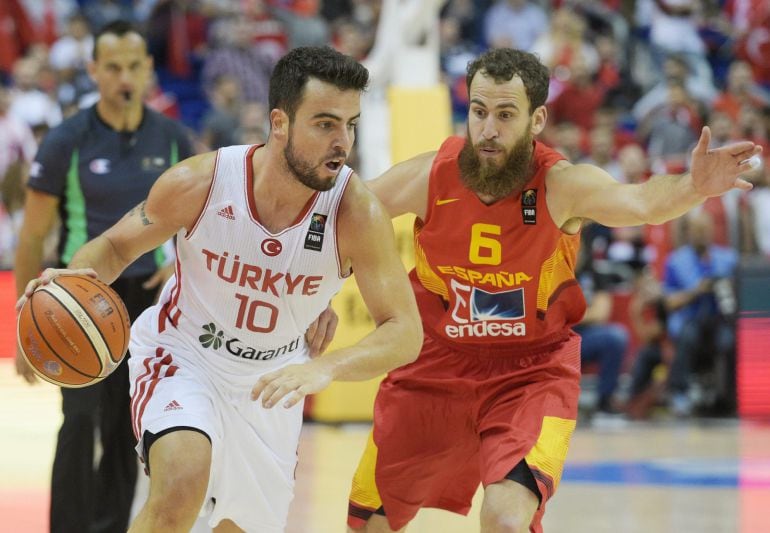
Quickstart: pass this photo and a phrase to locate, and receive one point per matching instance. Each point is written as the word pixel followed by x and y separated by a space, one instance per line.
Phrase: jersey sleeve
pixel 48 172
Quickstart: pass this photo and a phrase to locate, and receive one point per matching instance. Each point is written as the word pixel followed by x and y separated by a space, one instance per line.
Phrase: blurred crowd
pixel 633 82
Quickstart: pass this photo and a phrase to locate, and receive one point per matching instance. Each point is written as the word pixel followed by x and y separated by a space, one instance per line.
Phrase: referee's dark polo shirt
pixel 99 174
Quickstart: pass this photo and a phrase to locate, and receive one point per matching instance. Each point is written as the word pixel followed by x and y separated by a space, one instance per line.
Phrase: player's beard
pixel 306 172
pixel 485 176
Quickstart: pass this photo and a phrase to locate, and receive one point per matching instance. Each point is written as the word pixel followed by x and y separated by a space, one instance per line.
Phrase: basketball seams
pixel 88 326
pixel 40 374
pixel 116 304
pixel 50 348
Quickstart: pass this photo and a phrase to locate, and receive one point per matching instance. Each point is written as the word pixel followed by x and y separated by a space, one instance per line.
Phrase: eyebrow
pixel 333 116
pixel 499 106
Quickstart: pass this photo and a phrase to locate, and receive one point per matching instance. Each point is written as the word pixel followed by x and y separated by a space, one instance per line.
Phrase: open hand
pixel 716 171
pixel 292 382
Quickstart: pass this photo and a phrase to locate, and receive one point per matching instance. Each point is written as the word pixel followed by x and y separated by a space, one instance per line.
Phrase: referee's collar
pixel 101 121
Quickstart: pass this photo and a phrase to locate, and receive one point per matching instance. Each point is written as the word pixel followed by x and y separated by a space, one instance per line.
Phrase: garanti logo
pixel 212 338
pixel 215 338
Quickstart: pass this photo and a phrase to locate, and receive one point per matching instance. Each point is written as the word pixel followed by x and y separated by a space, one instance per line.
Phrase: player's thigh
pixel 180 462
pixel 507 503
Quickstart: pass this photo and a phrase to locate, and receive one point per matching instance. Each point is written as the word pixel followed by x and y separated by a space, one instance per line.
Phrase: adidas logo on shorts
pixel 173 405
pixel 227 212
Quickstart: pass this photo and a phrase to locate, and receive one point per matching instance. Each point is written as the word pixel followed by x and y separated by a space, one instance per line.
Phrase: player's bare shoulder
pixel 361 221
pixel 180 193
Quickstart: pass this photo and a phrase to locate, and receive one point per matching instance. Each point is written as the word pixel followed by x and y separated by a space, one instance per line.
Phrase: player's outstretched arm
pixel 366 241
pixel 404 187
pixel 586 191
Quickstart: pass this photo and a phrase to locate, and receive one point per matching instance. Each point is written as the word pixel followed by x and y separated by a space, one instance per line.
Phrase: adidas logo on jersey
pixel 227 212
pixel 173 405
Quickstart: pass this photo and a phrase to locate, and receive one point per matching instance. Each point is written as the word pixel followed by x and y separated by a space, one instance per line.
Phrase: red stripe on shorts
pixel 160 369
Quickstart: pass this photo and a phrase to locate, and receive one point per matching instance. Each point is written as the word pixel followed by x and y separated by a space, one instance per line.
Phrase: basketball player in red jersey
pixel 492 397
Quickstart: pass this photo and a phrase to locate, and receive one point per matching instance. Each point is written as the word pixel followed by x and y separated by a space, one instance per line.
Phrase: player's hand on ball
pixel 46 277
pixel 291 383
pixel 321 332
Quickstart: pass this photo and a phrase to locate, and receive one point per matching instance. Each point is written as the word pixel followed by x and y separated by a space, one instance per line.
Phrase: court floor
pixel 704 476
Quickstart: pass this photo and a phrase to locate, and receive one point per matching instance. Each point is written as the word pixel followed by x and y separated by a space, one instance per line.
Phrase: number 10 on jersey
pixel 255 315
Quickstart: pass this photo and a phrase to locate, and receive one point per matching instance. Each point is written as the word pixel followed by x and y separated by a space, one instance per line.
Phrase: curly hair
pixel 502 64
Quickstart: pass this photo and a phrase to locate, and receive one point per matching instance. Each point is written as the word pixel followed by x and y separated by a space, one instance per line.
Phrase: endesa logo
pixel 480 313
pixel 271 247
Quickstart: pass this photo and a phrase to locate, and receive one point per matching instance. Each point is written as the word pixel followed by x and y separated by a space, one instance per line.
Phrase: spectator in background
pixel 602 341
pixel 582 88
pixel 241 59
pixel 28 103
pixel 741 91
pixel 253 127
pixel 17 34
pixel 648 315
pixel 671 129
pixel 220 123
pixel 634 164
pixel 750 20
pixel 602 152
pixel 101 12
pixel 565 40
pixel 69 56
pixel 268 33
pixel 514 24
pixel 568 140
pixel 676 71
pixel 698 289
pixel 303 22
pixel 17 148
pixel 674 31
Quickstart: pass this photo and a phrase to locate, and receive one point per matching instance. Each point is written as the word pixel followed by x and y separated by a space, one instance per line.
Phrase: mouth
pixel 489 152
pixel 334 165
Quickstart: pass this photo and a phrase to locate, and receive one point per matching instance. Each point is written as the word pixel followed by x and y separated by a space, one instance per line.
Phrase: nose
pixel 344 139
pixel 489 131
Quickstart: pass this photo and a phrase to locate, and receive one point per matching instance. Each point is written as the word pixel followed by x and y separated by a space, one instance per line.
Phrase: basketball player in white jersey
pixel 266 235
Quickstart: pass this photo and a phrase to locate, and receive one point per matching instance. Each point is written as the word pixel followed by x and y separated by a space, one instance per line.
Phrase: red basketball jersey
pixel 494 278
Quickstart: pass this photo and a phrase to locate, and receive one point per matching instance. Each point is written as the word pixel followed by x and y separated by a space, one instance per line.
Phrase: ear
pixel 91 68
pixel 539 118
pixel 279 123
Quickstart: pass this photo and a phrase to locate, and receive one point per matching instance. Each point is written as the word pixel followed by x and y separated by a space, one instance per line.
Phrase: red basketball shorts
pixel 451 420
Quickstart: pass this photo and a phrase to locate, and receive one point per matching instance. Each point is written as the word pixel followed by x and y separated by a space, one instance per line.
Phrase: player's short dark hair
pixel 293 71
pixel 118 28
pixel 502 64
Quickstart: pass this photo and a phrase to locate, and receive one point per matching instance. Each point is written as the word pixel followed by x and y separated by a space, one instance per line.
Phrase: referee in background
pixel 92 169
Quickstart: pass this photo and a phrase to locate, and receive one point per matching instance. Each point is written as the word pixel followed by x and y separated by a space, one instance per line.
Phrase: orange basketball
pixel 73 331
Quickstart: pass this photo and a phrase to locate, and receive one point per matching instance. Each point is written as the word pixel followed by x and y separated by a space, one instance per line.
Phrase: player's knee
pixel 504 521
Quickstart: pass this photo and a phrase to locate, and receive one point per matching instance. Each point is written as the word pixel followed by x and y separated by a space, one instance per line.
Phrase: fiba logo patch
pixel 314 239
pixel 528 206
pixel 271 247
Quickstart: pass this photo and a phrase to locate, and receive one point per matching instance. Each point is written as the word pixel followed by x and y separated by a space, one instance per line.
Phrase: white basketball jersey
pixel 241 294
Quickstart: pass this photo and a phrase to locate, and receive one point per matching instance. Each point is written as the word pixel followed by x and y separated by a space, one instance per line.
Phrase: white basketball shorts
pixel 254 450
